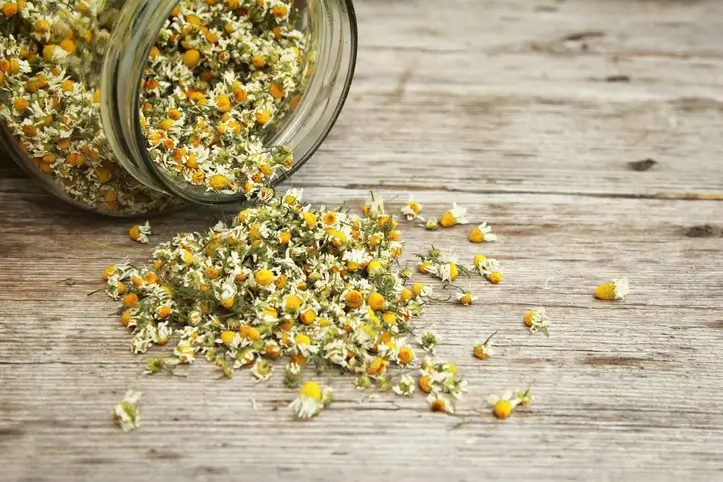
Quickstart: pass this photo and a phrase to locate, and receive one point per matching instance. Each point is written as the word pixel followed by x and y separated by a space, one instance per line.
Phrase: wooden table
pixel 534 114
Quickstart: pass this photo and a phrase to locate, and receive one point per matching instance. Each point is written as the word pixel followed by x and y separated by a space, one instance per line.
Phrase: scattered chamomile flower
pixel 441 377
pixel 466 298
pixel 454 216
pixel 482 234
pixel 374 206
pixel 411 210
pixel 503 406
pixel 484 350
pixel 525 396
pixel 488 267
pixel 156 365
pixel 362 382
pixel 614 290
pixel 140 233
pixel 405 387
pixel 439 403
pixel 311 400
pixel 262 370
pixel 384 383
pixel 537 319
pixel 431 225
pixel 429 341
pixel 126 413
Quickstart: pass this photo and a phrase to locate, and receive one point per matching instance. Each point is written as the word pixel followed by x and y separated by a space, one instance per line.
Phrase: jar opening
pixel 328 70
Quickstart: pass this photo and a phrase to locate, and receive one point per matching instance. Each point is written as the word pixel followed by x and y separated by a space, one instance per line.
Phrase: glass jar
pixel 76 97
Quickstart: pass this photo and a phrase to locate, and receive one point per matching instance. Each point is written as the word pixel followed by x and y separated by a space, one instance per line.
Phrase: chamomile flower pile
pixel 220 75
pixel 50 102
pixel 315 285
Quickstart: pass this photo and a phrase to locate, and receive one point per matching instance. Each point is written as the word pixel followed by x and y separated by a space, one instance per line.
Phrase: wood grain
pixel 506 108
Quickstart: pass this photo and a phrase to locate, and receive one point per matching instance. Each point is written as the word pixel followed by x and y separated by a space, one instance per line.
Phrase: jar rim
pixel 126 58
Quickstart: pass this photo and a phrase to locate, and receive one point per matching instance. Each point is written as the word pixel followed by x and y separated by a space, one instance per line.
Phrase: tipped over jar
pixel 129 107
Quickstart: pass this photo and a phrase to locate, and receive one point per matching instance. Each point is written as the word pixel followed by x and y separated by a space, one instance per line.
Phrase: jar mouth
pixel 333 45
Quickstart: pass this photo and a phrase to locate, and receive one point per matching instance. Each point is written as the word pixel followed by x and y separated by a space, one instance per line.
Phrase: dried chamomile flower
pixel 441 377
pixel 292 375
pixel 445 271
pixel 537 319
pixel 374 206
pixel 384 383
pixel 311 400
pixel 614 290
pixel 421 290
pixel 362 382
pixel 503 406
pixel 439 403
pixel 405 387
pixel 466 298
pixel 429 341
pixel 431 225
pixel 155 365
pixel 126 413
pixel 488 267
pixel 484 350
pixel 262 370
pixel 411 210
pixel 525 396
pixel 482 234
pixel 140 233
pixel 454 216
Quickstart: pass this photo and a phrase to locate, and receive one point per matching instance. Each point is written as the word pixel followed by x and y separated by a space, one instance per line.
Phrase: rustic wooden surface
pixel 529 113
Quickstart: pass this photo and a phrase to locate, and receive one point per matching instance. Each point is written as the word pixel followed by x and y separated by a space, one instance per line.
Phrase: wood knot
pixel 642 166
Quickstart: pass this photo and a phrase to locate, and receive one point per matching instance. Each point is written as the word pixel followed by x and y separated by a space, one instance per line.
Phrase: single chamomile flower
pixel 405 387
pixel 537 319
pixel 429 341
pixel 503 406
pixel 615 290
pixel 411 210
pixel 431 225
pixel 439 403
pixel 374 206
pixel 466 298
pixel 454 216
pixel 362 382
pixel 484 350
pixel 311 400
pixel 126 413
pixel 525 397
pixel 482 234
pixel 262 370
pixel 140 233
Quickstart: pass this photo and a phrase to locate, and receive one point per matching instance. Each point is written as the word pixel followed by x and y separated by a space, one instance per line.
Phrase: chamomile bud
pixel 431 225
pixel 429 341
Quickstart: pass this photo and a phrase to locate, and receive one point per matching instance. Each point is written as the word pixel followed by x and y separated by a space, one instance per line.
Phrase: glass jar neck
pixel 330 63
pixel 133 36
